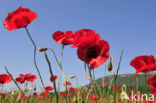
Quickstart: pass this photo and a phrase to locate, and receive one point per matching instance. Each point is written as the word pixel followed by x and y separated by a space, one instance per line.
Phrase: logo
pixel 137 97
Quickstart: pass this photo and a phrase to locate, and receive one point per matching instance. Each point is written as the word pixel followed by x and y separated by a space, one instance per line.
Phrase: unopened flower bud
pixel 42 49
pixel 72 76
pixel 110 66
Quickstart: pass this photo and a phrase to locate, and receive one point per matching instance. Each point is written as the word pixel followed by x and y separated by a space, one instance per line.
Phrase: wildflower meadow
pixel 92 50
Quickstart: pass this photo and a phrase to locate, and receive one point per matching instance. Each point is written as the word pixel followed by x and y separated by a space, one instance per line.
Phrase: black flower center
pixel 92 53
pixel 2 82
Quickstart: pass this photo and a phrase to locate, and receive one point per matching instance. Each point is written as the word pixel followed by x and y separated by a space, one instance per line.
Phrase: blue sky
pixel 125 24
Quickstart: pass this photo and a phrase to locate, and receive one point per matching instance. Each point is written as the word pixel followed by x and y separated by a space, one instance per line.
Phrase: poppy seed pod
pixel 110 65
pixel 42 49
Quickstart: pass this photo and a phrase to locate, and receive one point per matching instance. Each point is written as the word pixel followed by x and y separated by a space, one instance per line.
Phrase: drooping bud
pixel 110 65
pixel 42 49
pixel 72 76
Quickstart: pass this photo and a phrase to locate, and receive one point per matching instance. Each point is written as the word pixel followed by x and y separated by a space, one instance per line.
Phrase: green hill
pixel 129 80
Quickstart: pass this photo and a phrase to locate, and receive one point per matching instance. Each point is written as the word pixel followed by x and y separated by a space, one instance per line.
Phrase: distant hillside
pixel 128 79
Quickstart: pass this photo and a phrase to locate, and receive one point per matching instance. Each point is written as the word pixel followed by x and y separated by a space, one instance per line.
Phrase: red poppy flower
pixel 63 38
pixel 104 100
pixel 20 80
pixel 152 80
pixel 69 94
pixel 74 94
pixel 21 96
pixel 153 89
pixel 131 91
pixel 4 78
pixel 2 95
pixel 45 93
pixel 92 97
pixel 105 83
pixel 40 98
pixel 62 94
pixel 71 89
pixel 32 78
pixel 85 38
pixel 67 83
pixel 19 18
pixel 28 77
pixel 144 64
pixel 35 93
pixel 84 90
pixel 48 88
pixel 51 79
pixel 119 90
pixel 96 55
pixel 116 87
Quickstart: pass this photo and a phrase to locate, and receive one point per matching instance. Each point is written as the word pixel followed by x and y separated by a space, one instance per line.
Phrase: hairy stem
pixel 51 72
pixel 2 88
pixel 14 80
pixel 61 68
pixel 62 54
pixel 145 81
pixel 35 56
pixel 116 76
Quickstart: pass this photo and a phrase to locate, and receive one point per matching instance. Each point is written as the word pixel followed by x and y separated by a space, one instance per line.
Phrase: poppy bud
pixel 110 65
pixel 72 76
pixel 42 49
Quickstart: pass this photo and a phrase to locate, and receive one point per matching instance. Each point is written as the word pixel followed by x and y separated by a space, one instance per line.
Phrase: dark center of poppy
pixel 2 82
pixel 92 54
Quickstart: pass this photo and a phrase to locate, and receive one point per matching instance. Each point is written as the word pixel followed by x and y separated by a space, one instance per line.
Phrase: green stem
pixel 35 56
pixel 85 65
pixel 116 76
pixel 2 88
pixel 14 80
pixel 93 74
pixel 60 65
pixel 51 72
pixel 137 88
pixel 62 54
pixel 67 97
pixel 145 81
pixel 90 74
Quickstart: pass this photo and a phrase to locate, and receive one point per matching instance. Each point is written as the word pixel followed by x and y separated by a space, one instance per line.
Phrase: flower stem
pixel 145 81
pixel 62 54
pixel 67 97
pixel 14 80
pixel 90 74
pixel 51 72
pixel 60 65
pixel 84 52
pixel 93 74
pixel 2 88
pixel 35 56
pixel 116 76
pixel 137 88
